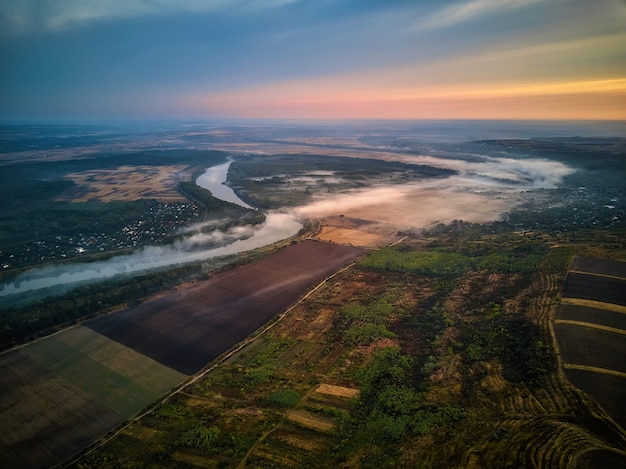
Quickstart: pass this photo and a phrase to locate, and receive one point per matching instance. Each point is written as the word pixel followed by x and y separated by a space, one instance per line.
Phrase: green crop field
pixel 70 389
pixel 114 389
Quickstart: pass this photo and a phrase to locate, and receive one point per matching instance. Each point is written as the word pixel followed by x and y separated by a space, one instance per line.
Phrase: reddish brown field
pixel 607 389
pixel 187 329
pixel 591 315
pixel 595 287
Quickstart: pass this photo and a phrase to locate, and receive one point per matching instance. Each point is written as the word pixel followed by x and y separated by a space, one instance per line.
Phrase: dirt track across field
pixel 187 329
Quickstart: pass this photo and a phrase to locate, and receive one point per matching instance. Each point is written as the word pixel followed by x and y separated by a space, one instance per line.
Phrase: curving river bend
pixel 60 278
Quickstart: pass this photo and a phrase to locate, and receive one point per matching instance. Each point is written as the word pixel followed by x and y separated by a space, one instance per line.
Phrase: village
pixel 160 223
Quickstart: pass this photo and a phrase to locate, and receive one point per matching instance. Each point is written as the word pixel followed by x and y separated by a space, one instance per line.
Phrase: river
pixel 62 277
pixel 214 179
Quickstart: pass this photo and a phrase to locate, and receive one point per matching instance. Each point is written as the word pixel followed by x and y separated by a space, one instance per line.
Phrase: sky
pixel 313 59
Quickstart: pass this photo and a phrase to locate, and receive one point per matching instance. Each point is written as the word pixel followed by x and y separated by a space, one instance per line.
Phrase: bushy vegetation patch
pixel 520 258
pixel 286 398
pixel 515 341
pixel 201 437
pixel 439 264
pixel 364 324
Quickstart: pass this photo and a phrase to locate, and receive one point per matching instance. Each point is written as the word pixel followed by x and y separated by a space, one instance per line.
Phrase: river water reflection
pixel 213 180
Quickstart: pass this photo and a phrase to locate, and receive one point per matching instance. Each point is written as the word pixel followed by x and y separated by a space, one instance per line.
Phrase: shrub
pixel 286 399
pixel 201 437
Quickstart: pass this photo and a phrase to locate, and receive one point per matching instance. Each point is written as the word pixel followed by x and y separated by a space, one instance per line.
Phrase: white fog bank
pixel 481 191
pixel 277 226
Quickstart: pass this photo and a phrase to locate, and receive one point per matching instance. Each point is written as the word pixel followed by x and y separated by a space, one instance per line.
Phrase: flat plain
pixel 126 183
pixel 607 389
pixel 69 389
pixel 598 266
pixel 188 328
pixel 595 287
pixel 61 393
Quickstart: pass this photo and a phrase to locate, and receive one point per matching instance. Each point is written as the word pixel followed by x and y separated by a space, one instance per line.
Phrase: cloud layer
pixel 284 58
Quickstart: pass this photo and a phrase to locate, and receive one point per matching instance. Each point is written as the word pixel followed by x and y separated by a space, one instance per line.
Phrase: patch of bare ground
pixel 194 460
pixel 309 420
pixel 299 442
pixel 126 183
pixel 595 265
pixel 352 237
pixel 339 391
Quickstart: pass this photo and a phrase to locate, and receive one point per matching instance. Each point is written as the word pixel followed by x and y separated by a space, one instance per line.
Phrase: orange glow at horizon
pixel 575 100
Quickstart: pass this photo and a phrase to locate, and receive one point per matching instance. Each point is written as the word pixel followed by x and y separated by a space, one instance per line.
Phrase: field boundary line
pixel 594 304
pixel 398 242
pixel 179 389
pixel 594 369
pixel 590 325
pixel 597 274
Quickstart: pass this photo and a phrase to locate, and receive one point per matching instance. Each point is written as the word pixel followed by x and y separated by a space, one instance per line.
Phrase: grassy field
pixel 37 405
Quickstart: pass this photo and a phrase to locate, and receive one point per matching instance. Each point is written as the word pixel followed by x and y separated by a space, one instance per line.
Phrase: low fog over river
pixel 481 189
pixel 277 226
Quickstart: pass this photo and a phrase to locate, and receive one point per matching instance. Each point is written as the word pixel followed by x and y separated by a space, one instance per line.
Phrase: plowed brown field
pixel 187 329
pixel 598 266
pixel 593 315
pixel 592 334
pixel 607 389
pixel 592 347
pixel 595 287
